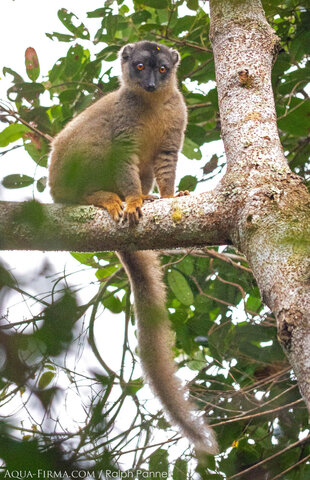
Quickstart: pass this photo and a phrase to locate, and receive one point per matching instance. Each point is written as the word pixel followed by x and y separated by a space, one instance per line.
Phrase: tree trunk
pixel 272 226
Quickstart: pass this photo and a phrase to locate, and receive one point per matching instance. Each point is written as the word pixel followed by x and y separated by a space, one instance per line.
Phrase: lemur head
pixel 148 65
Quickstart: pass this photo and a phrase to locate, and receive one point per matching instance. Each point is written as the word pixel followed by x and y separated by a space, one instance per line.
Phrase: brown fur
pixel 90 164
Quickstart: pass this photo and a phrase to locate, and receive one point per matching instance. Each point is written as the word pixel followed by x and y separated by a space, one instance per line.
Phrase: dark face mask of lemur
pixel 150 66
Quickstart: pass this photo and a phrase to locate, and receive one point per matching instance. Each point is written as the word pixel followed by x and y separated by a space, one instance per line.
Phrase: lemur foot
pixel 133 211
pixel 108 200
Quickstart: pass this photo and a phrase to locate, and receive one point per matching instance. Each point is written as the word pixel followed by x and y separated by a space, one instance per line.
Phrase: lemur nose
pixel 150 87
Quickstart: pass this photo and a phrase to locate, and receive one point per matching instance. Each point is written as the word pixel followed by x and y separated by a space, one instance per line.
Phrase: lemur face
pixel 149 65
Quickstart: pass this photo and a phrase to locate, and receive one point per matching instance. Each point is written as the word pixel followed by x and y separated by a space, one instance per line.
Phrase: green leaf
pixel 156 3
pixel 132 387
pixel 193 5
pixel 180 287
pixel 59 320
pixel 183 24
pixel 85 258
pixel 17 181
pixel 297 119
pixel 99 12
pixel 16 76
pixel 188 183
pixel 40 156
pixel 61 37
pixel 68 96
pixel 163 424
pixel 27 90
pixel 187 65
pixel 49 366
pixel 300 46
pixel 187 265
pixel 197 133
pixel 5 278
pixel 41 184
pixel 191 150
pixel 180 469
pixel 198 361
pixel 294 81
pixel 140 16
pixel 75 60
pixel 46 379
pixel 106 271
pixel 32 64
pixel 113 304
pixel 13 132
pixel 67 18
pixel 254 301
pixel 158 462
pixel 108 54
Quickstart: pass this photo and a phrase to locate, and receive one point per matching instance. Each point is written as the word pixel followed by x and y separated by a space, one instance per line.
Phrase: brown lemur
pixel 112 152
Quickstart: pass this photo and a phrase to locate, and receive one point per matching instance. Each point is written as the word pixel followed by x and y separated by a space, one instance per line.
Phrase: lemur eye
pixel 140 66
pixel 162 69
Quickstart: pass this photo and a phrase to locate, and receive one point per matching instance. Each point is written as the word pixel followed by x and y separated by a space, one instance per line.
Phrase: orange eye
pixel 162 69
pixel 140 66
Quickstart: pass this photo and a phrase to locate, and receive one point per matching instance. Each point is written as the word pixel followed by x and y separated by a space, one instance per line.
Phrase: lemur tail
pixel 155 342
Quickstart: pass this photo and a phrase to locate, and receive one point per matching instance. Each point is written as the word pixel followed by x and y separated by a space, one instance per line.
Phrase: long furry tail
pixel 155 342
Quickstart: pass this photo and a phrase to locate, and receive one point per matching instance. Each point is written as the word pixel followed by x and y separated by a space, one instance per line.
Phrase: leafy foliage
pixel 224 334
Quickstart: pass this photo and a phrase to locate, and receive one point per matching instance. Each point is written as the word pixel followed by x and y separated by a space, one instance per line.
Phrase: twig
pixel 266 412
pixel 228 258
pixel 251 312
pixel 183 43
pixel 288 111
pixel 199 105
pixel 21 120
pixel 88 84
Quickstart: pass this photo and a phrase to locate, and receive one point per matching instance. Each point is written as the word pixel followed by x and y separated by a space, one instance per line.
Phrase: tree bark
pixel 272 226
pixel 260 206
pixel 189 221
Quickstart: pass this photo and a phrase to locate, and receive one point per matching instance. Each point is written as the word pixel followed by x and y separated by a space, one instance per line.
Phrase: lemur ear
pixel 125 52
pixel 175 56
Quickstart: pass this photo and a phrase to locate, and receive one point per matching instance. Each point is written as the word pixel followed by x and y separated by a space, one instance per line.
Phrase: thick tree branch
pixel 190 221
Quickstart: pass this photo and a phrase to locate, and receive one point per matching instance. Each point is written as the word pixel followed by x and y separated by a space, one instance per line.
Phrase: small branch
pixel 223 302
pixel 87 84
pixel 183 43
pixel 21 120
pixel 254 415
pixel 226 257
pixel 287 111
pixel 10 149
pixel 199 105
pixel 197 69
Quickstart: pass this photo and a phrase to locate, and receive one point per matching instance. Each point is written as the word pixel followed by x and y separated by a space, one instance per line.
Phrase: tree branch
pixel 170 223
